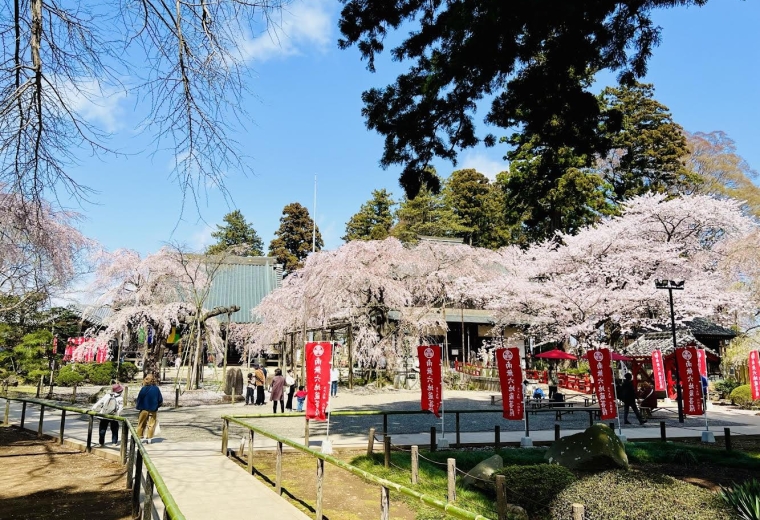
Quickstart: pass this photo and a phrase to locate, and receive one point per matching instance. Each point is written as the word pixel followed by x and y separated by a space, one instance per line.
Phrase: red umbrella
pixel 555 354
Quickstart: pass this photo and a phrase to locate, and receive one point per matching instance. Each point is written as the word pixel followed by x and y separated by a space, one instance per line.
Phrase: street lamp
pixel 672 285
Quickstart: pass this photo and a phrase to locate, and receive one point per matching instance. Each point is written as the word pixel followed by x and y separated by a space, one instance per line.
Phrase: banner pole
pixel 443 405
pixel 617 408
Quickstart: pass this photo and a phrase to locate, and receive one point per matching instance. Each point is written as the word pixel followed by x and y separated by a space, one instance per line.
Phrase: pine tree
pixel 466 192
pixel 374 220
pixel 236 232
pixel 427 214
pixel 647 152
pixel 293 241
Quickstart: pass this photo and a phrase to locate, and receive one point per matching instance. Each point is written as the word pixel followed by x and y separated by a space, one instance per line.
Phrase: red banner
pixel 318 356
pixel 691 383
pixel 604 381
pixel 510 378
pixel 658 372
pixel 702 362
pixel 430 377
pixel 55 345
pixel 754 374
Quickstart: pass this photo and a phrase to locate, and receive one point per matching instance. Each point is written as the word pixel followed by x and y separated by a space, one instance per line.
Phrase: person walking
pixel 112 403
pixel 290 382
pixel 334 377
pixel 148 402
pixel 277 391
pixel 628 396
pixel 250 389
pixel 260 382
pixel 300 397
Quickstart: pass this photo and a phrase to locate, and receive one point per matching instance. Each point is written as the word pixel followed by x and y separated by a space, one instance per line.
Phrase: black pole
pixel 679 396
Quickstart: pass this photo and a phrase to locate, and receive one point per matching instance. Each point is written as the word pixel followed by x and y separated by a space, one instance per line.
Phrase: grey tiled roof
pixel 244 281
pixel 663 341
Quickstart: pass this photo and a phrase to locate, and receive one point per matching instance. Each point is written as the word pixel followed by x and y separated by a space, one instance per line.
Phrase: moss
pixel 534 487
pixel 634 495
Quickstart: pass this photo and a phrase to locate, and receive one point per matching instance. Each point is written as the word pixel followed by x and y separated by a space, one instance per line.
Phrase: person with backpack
pixel 111 403
pixel 148 401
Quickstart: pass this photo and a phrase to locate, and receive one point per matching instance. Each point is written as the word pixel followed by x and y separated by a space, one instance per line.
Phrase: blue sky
pixel 306 121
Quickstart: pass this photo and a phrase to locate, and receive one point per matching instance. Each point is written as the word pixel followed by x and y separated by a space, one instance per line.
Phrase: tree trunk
pixel 350 347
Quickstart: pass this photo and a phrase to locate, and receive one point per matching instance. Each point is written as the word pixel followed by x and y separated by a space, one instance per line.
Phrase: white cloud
pixel 97 104
pixel 483 163
pixel 202 238
pixel 304 24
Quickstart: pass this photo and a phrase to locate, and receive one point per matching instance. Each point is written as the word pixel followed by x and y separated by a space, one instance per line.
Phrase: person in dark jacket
pixel 278 391
pixel 148 401
pixel 628 396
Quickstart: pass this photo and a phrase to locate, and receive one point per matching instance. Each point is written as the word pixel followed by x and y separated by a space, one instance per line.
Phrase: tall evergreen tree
pixel 374 220
pixel 236 232
pixel 293 241
pixel 426 214
pixel 466 193
pixel 647 152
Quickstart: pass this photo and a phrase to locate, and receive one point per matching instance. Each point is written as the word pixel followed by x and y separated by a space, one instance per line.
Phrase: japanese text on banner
pixel 318 357
pixel 702 362
pixel 604 382
pixel 510 379
pixel 430 377
pixel 691 383
pixel 754 374
pixel 658 371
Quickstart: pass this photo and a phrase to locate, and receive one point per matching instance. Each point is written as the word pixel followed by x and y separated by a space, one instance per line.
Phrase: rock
pixel 516 513
pixel 597 448
pixel 480 475
pixel 234 380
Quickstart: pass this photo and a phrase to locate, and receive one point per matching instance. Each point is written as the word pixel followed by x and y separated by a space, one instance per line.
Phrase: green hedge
pixel 69 375
pixel 741 396
pixel 534 487
pixel 634 495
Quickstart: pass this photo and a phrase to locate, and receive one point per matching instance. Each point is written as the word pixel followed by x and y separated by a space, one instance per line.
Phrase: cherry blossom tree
pixel 41 250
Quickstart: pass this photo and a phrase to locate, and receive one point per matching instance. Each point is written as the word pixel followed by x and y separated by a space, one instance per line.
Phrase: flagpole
pixel 314 220
pixel 443 406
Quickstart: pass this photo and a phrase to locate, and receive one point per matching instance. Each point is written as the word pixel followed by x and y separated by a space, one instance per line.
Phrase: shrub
pixel 725 386
pixel 68 375
pixel 101 373
pixel 741 396
pixel 634 495
pixel 744 499
pixel 534 487
pixel 684 458
pixel 127 371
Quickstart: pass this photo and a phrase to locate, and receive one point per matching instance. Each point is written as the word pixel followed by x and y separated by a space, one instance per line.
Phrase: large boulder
pixel 480 475
pixel 234 380
pixel 596 449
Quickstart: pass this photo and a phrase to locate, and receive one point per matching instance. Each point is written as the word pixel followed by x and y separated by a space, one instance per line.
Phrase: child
pixel 301 397
pixel 249 390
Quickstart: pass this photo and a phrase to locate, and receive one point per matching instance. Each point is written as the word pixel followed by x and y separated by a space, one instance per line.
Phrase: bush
pixel 534 487
pixel 634 495
pixel 744 499
pixel 101 373
pixel 741 396
pixel 127 371
pixel 725 386
pixel 68 375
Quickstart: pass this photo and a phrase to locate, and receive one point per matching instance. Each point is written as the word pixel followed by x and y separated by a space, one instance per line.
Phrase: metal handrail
pixel 172 510
pixel 449 508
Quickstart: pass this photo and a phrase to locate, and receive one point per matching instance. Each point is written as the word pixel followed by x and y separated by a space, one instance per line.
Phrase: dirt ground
pixel 41 480
pixel 345 496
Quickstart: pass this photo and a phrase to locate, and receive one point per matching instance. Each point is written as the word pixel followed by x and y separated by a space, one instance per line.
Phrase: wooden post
pixel 148 500
pixel 501 497
pixel 176 398
pixel 306 433
pixel 39 388
pixel 63 425
pixel 136 486
pixel 415 464
pixel 727 432
pixel 663 435
pixel 497 438
pixel 432 438
pixel 74 395
pixel 452 470
pixel 251 435
pixel 579 511
pixel 371 442
pixel 385 424
pixel 42 417
pixel 556 432
pixel 90 420
pixel 459 440
pixel 130 463
pixel 385 504
pixel 225 436
pixel 123 447
pixel 23 414
pixel 7 416
pixel 387 451
pixel 320 481
pixel 278 470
